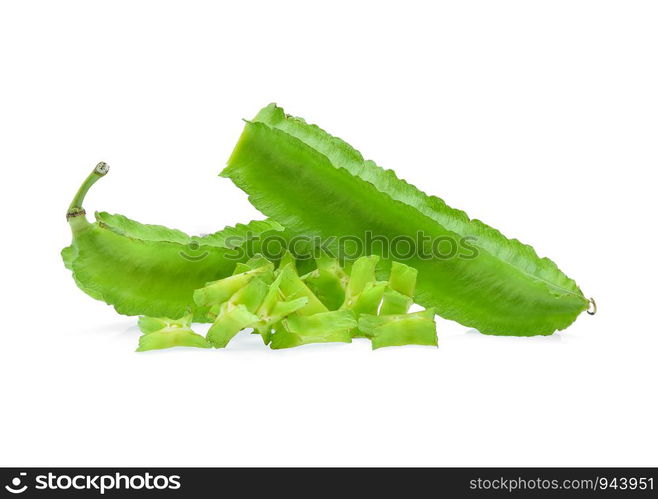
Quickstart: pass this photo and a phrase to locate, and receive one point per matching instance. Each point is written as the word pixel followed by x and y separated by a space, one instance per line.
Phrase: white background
pixel 540 118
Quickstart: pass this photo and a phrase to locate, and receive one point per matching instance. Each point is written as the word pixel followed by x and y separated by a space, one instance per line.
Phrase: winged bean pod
pixel 148 270
pixel 314 183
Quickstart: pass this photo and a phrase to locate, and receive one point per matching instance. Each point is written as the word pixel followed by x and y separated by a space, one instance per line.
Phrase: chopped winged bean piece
pixel 218 292
pixel 228 324
pixel 327 322
pixel 288 259
pixel 396 330
pixel 367 302
pixel 398 298
pixel 171 336
pixel 403 278
pixel 324 327
pixel 283 309
pixel 259 261
pixel 278 312
pixel 292 287
pixel 328 282
pixel 394 303
pixel 151 324
pixel 241 268
pixel 362 273
pixel 251 296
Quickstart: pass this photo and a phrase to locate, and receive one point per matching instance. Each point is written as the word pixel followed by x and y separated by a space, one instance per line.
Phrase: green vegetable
pixel 237 297
pixel 148 269
pixel 171 337
pixel 396 330
pixel 395 302
pixel 286 312
pixel 328 282
pixel 401 288
pixel 217 292
pixel 362 276
pixel 270 318
pixel 162 333
pixel 252 295
pixel 150 324
pixel 403 279
pixel 230 323
pixel 275 307
pixel 323 327
pixel 260 298
pixel 315 184
pixel 292 287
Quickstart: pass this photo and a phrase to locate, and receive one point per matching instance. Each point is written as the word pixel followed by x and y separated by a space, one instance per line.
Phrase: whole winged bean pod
pixel 148 270
pixel 313 183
